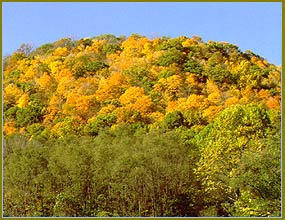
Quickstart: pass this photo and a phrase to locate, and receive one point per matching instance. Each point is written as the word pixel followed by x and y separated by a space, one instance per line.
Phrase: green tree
pixel 216 69
pixel 193 67
pixel 101 121
pixel 74 186
pixel 171 56
pixel 223 144
pixel 174 120
pixel 258 178
pixel 33 113
pixel 26 181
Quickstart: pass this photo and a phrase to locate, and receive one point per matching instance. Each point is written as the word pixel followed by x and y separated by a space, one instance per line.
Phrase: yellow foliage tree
pixel 107 110
pixel 12 93
pixel 131 95
pixel 191 80
pixel 264 94
pixel 231 101
pixel 184 104
pixel 135 98
pixel 170 86
pixel 9 128
pixel 214 93
pixel 55 106
pixel 77 105
pixel 211 112
pixel 61 51
pixel 112 87
pixel 196 101
pixel 274 102
pixel 134 45
pixel 248 95
pixel 44 82
pixel 23 101
pixel 189 42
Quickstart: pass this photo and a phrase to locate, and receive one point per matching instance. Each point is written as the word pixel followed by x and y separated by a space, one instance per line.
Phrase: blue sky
pixel 252 26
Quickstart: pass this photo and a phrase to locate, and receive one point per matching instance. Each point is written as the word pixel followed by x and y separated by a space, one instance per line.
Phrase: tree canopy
pixel 132 126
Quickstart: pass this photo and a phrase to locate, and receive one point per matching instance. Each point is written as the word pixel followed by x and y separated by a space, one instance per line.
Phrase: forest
pixel 115 126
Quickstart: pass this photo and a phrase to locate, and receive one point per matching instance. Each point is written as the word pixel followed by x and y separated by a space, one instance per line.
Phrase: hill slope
pixel 186 127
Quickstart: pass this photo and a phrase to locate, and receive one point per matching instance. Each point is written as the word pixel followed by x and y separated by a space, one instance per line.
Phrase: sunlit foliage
pixel 132 126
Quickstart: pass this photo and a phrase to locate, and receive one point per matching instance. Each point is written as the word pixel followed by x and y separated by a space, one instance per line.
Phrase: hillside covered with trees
pixel 132 126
